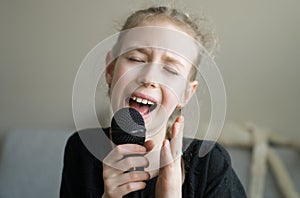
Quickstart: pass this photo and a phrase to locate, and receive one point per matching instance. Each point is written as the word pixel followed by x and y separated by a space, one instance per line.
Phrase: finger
pixel 121 150
pixel 118 168
pixel 109 172
pixel 179 122
pixel 134 176
pixel 131 162
pixel 176 137
pixel 165 154
pixel 130 187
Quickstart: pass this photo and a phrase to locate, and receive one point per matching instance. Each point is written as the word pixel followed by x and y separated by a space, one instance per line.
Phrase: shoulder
pixel 74 148
pixel 209 169
pixel 206 150
pixel 78 137
pixel 73 140
pixel 86 142
pixel 207 157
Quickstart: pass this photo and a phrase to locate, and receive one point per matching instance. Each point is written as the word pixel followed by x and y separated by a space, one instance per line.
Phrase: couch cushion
pixel 31 163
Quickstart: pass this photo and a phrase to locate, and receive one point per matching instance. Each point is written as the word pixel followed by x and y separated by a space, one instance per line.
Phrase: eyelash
pixel 171 70
pixel 136 60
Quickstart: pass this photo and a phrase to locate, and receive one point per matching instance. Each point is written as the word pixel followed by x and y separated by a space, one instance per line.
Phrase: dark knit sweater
pixel 208 176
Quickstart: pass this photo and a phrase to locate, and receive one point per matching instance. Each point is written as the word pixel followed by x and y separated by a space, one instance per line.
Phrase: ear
pixel 109 70
pixel 190 90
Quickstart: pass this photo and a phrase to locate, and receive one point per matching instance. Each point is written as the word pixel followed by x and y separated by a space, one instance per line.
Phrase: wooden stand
pixel 261 141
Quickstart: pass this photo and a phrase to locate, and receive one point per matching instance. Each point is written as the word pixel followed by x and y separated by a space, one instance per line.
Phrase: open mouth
pixel 142 105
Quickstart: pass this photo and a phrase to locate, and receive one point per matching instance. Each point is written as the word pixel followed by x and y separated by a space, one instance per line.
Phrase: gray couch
pixel 31 164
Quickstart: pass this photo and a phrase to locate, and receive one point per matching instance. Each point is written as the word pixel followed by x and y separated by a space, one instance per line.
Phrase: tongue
pixel 143 109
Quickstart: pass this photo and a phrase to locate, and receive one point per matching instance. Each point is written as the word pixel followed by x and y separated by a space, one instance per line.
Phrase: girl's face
pixel 153 81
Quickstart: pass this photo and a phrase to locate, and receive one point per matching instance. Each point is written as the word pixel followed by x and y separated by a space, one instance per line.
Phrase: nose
pixel 150 84
pixel 148 76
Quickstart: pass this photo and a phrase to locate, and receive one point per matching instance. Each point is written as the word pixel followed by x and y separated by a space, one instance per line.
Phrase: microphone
pixel 128 127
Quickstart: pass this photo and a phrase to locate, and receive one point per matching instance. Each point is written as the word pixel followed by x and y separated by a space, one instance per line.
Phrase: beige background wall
pixel 43 42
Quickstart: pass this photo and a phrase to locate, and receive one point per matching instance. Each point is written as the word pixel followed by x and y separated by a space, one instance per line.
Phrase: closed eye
pixel 136 59
pixel 171 70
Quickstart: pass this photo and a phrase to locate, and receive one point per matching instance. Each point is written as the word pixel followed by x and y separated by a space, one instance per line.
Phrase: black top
pixel 208 176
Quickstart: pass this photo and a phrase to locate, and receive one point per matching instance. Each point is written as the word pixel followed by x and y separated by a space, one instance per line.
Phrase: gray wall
pixel 43 43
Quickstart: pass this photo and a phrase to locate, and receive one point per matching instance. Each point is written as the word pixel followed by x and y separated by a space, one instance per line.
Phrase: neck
pixel 154 155
pixel 157 136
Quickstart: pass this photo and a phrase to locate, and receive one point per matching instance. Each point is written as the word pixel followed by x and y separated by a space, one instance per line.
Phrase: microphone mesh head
pixel 128 127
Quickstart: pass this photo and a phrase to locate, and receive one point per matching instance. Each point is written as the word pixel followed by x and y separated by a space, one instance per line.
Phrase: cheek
pixel 117 87
pixel 170 99
pixel 118 74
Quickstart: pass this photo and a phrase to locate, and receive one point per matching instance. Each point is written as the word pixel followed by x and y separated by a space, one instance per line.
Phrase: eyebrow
pixel 140 50
pixel 143 50
pixel 174 59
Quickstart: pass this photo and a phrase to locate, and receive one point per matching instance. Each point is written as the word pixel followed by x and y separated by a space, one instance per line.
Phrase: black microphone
pixel 128 127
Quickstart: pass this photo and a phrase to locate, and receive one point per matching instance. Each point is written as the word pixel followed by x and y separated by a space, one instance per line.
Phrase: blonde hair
pixel 198 28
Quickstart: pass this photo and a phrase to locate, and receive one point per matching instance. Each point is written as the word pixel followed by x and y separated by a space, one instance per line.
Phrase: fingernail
pixel 177 127
pixel 165 143
pixel 182 119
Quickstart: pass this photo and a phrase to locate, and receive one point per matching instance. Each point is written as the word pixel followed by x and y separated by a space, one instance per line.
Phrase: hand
pixel 118 182
pixel 169 179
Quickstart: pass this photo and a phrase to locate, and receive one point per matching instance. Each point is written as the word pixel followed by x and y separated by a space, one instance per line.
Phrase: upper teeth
pixel 141 100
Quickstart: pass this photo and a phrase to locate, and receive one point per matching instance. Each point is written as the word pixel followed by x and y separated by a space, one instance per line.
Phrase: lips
pixel 144 104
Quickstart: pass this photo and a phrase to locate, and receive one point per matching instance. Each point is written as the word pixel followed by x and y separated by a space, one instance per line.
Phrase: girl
pixel 145 73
